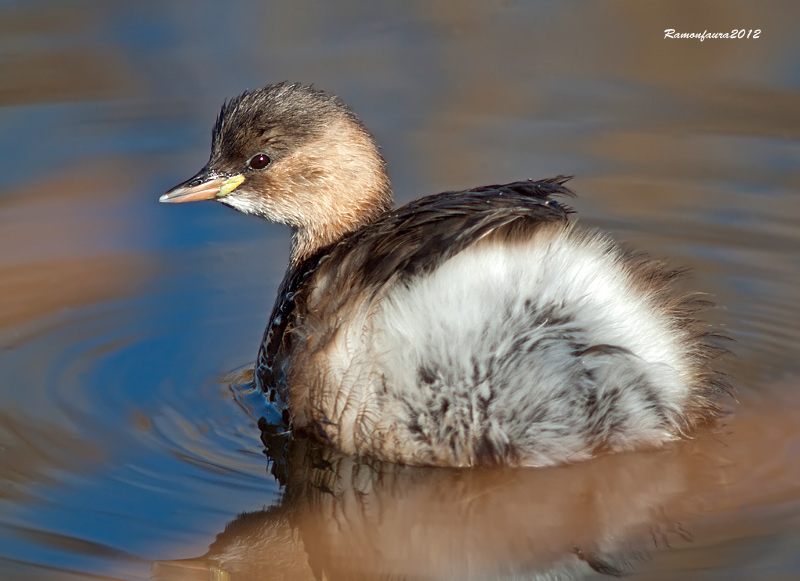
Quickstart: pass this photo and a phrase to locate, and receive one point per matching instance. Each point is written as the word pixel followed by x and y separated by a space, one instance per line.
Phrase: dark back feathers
pixel 403 243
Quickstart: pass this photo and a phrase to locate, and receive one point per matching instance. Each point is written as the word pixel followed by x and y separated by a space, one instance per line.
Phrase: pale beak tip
pixel 207 188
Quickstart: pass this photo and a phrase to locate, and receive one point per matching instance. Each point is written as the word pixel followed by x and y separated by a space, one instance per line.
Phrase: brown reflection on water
pixel 35 453
pixel 65 233
pixel 343 519
pixel 76 281
pixel 58 69
pixel 66 254
pixel 606 63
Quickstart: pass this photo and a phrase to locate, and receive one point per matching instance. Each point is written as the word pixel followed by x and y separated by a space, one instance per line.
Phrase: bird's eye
pixel 259 161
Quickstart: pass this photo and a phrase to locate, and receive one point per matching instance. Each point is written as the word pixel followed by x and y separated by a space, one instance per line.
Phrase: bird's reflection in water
pixel 342 518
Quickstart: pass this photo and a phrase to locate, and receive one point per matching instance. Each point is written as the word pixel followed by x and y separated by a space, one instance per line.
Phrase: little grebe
pixel 466 328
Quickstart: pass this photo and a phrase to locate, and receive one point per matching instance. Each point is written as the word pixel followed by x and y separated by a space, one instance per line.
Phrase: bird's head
pixel 297 156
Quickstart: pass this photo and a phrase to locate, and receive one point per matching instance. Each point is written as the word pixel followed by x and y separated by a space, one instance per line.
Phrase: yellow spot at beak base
pixel 229 185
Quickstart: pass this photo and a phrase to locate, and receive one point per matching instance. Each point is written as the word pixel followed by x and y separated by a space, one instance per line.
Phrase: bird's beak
pixel 203 186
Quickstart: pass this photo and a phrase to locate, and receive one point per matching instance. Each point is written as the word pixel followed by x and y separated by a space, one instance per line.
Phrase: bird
pixel 478 327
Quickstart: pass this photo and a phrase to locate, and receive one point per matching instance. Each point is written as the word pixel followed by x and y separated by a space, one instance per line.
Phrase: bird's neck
pixel 309 239
pixel 342 186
